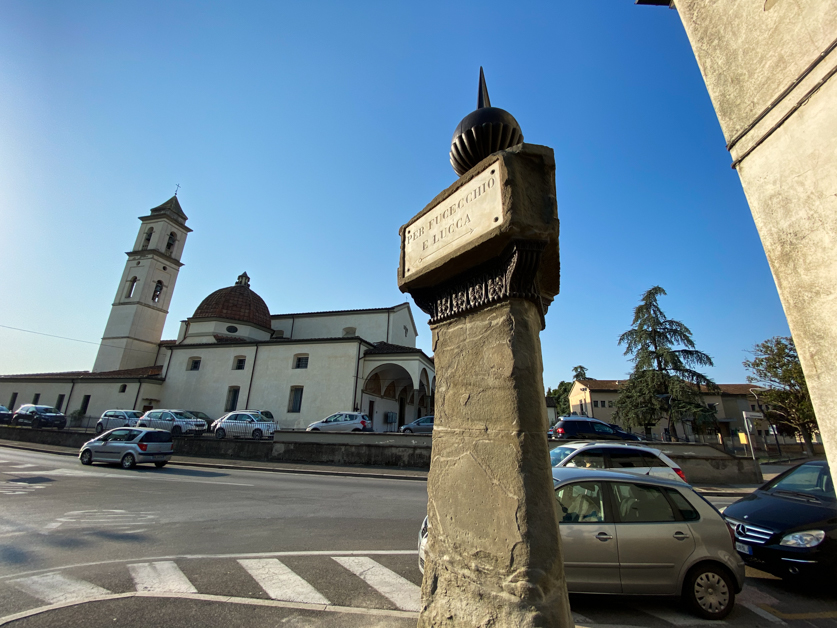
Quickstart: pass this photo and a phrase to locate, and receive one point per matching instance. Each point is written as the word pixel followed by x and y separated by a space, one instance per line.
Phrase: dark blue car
pixel 39 416
pixel 788 527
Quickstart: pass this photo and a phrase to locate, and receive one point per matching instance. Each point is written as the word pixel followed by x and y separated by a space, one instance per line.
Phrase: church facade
pixel 233 354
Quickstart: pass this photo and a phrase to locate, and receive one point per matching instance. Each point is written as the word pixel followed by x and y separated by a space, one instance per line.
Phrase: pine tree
pixel 665 382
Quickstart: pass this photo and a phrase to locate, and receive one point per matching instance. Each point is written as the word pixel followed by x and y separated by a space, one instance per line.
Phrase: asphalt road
pixel 182 546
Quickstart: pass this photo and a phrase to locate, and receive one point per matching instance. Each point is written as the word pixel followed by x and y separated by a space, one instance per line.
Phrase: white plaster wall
pixel 371 326
pixel 103 395
pixel 402 329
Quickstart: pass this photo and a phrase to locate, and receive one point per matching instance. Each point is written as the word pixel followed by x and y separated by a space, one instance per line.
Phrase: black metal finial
pixel 177 189
pixel 483 100
pixel 482 132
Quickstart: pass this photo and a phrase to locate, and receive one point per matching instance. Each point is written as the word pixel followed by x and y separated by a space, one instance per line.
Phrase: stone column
pixel 485 267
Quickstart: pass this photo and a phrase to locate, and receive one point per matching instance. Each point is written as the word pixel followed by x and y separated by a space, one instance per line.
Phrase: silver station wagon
pixel 623 534
pixel 129 446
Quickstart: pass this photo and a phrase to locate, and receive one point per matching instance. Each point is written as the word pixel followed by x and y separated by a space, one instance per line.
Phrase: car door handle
pixel 603 536
pixel 680 536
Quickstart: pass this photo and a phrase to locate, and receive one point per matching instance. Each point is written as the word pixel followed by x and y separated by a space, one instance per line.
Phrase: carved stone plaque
pixel 453 224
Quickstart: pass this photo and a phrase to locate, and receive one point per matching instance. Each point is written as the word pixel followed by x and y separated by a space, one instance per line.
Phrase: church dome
pixel 236 303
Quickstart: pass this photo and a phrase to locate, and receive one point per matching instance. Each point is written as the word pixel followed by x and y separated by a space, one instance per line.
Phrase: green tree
pixel 665 382
pixel 579 372
pixel 562 398
pixel 776 369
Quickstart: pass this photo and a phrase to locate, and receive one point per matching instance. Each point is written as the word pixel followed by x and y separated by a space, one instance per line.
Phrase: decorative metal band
pixel 513 275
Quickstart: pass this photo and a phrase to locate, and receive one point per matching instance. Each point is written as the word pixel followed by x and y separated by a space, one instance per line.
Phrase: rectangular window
pixel 59 403
pixel 752 407
pixel 301 362
pixel 295 401
pixel 239 364
pixel 85 402
pixel 232 398
pixel 595 403
pixel 195 364
pixel 13 401
pixel 36 398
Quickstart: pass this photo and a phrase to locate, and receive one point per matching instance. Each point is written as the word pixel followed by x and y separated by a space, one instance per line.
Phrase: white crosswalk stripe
pixel 56 588
pixel 679 619
pixel 400 591
pixel 160 577
pixel 280 583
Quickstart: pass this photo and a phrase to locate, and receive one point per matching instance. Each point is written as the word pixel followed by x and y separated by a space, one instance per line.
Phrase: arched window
pixel 132 284
pixel 158 290
pixel 170 243
pixel 349 331
pixel 147 240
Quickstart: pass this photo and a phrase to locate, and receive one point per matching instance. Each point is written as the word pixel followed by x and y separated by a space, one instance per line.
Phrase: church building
pixel 233 354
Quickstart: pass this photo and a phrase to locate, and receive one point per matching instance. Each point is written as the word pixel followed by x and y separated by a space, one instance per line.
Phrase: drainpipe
pixel 168 363
pixel 252 372
pixel 293 320
pixel 139 388
pixel 388 313
pixel 357 367
pixel 70 396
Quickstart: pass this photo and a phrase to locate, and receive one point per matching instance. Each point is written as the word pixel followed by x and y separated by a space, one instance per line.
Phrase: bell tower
pixel 138 313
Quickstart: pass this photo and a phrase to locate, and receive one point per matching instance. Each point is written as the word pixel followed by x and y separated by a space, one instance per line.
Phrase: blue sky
pixel 304 134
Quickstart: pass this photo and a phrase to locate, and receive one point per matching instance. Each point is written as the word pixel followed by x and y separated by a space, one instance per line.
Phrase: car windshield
pixel 267 414
pixel 200 415
pixel 807 481
pixel 133 414
pixel 559 453
pixel 48 410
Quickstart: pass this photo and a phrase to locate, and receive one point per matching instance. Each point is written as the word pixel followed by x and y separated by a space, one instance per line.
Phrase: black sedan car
pixel 39 416
pixel 5 415
pixel 788 527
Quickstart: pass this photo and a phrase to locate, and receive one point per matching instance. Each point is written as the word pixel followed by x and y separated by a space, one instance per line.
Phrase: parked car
pixel 6 415
pixel 577 427
pixel 243 425
pixel 39 416
pixel 178 422
pixel 424 425
pixel 642 535
pixel 129 446
pixel 203 417
pixel 342 422
pixel 788 527
pixel 616 457
pixel 624 434
pixel 117 418
pixel 265 413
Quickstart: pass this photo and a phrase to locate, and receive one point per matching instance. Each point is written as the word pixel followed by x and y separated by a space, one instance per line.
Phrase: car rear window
pixel 688 511
pixel 156 437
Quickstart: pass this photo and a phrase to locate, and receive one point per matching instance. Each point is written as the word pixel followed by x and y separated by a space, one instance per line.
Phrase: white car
pixel 342 422
pixel 178 422
pixel 117 418
pixel 615 456
pixel 243 425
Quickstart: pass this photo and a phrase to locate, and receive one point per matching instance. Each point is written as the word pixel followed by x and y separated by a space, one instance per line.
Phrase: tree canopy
pixel 776 369
pixel 579 372
pixel 665 382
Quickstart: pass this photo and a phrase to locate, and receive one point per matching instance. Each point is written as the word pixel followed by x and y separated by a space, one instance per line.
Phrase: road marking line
pixel 762 613
pixel 280 583
pixel 578 618
pixel 795 616
pixel 160 577
pixel 679 619
pixel 412 552
pixel 400 591
pixel 57 589
pixel 376 612
pixel 22 466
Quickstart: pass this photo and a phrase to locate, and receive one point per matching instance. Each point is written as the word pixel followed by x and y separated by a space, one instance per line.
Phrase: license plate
pixel 744 549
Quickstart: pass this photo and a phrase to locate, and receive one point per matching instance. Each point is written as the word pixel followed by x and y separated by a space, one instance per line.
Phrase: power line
pixel 87 342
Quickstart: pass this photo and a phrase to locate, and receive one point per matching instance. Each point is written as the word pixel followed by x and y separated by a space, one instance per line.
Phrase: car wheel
pixel 356 430
pixel 176 431
pixel 407 430
pixel 36 424
pixel 60 427
pixel 220 433
pixel 128 461
pixel 709 591
pixel 257 434
pixel 315 429
pixel 86 457
pixel 160 465
pixel 99 428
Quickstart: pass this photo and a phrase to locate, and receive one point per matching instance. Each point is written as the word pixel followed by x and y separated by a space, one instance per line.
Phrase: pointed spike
pixel 482 98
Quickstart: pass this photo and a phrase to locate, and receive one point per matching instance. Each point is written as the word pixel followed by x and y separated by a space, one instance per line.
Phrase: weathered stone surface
pixel 493 554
